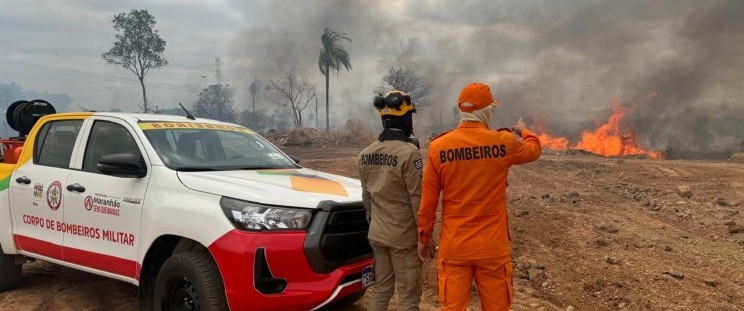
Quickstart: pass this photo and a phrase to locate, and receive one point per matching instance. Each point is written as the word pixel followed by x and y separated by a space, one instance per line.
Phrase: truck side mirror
pixel 122 165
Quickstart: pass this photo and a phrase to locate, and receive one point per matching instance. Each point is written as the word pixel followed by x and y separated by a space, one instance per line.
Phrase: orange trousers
pixel 493 277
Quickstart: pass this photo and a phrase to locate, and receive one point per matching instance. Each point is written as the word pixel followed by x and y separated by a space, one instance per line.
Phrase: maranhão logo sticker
pixel 103 204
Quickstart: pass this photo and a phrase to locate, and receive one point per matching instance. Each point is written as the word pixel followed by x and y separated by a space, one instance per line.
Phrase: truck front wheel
pixel 10 271
pixel 190 281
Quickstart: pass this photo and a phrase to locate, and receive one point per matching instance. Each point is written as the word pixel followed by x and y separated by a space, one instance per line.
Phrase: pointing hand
pixel 519 126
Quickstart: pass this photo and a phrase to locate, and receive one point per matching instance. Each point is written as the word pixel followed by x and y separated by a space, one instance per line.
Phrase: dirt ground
pixel 595 233
pixel 588 233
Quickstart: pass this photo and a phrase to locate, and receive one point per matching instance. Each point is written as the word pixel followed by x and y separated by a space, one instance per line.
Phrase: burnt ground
pixel 588 233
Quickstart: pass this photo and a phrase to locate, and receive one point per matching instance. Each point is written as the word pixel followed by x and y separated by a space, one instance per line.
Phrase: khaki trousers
pixel 493 277
pixel 395 268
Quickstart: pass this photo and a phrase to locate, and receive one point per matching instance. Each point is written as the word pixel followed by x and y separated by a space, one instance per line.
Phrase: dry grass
pixel 352 134
pixel 738 157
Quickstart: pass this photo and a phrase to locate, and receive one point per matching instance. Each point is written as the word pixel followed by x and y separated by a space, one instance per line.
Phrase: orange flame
pixel 613 138
pixel 550 142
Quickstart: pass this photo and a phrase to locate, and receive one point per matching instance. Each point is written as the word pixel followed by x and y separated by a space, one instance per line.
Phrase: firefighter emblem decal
pixel 54 195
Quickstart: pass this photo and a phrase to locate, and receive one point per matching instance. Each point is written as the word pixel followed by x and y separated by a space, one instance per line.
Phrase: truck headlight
pixel 253 216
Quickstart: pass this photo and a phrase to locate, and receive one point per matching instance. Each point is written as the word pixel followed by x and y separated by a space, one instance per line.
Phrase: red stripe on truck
pixel 98 261
pixel 40 247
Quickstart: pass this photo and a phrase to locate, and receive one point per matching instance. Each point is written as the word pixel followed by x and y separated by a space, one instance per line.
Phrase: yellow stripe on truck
pixel 28 147
pixel 6 170
pixel 145 126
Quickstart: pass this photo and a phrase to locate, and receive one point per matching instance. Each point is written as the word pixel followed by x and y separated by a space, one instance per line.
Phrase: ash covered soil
pixel 588 233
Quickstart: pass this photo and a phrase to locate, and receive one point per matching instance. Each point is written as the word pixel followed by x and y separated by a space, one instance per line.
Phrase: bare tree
pixel 138 46
pixel 406 80
pixel 294 95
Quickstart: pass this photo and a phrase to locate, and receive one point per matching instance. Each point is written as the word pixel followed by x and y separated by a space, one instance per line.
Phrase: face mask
pixel 403 123
pixel 482 115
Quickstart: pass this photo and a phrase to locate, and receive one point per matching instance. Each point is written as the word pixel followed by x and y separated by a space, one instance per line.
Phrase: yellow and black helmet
pixel 394 103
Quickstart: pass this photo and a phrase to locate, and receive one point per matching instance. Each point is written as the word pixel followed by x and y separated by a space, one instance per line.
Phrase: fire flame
pixel 613 138
pixel 550 142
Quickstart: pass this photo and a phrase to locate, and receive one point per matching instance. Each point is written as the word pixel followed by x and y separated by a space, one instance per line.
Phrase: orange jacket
pixel 469 165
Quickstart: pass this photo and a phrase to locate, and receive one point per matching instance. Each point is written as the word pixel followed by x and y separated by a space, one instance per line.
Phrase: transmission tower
pixel 218 72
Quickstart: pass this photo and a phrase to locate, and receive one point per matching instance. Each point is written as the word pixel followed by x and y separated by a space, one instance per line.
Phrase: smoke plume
pixel 556 62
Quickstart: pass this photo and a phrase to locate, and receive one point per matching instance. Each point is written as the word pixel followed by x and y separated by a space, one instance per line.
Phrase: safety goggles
pixel 394 103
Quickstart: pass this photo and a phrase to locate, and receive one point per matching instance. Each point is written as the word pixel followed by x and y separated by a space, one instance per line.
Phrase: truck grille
pixel 338 236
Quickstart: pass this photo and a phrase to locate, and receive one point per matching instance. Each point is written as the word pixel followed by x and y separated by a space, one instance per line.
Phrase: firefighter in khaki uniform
pixel 390 170
pixel 469 165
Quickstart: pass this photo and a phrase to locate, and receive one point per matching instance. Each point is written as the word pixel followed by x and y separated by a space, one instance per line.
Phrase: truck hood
pixel 292 187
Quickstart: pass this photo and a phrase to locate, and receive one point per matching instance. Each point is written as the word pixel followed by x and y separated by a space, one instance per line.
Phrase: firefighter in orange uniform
pixel 469 166
pixel 390 171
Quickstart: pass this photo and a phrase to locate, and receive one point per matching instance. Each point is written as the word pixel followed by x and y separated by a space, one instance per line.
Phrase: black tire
pixel 190 281
pixel 10 272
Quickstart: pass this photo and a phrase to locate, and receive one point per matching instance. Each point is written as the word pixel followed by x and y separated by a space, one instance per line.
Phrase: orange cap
pixel 475 96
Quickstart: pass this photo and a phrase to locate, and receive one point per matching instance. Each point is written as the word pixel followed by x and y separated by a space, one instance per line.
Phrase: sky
pixel 559 63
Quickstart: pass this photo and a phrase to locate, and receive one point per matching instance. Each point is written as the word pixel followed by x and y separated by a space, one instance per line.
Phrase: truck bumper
pixel 270 271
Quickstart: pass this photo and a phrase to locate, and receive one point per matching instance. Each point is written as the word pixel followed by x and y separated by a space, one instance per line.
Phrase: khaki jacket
pixel 391 173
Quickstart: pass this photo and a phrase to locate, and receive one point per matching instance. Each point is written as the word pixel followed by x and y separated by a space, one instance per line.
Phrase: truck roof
pixel 146 117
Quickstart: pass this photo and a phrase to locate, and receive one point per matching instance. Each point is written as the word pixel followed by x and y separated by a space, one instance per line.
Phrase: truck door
pixel 108 207
pixel 38 188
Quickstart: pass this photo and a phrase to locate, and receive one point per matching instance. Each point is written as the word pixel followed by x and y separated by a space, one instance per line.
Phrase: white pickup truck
pixel 200 214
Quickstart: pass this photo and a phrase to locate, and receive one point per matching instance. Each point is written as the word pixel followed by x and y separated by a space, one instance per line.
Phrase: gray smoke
pixel 556 62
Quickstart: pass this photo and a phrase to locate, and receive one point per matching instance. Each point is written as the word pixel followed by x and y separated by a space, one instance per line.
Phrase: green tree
pixel 216 102
pixel 174 111
pixel 84 108
pixel 257 121
pixel 138 46
pixel 332 57
pixel 10 92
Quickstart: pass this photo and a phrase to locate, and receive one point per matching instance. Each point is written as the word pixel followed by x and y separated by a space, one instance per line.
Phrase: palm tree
pixel 255 89
pixel 332 57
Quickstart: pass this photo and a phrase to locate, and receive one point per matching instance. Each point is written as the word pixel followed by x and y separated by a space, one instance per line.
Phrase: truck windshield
pixel 210 147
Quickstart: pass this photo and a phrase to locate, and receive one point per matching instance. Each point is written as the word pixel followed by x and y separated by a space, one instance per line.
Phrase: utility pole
pixel 316 112
pixel 255 89
pixel 218 72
